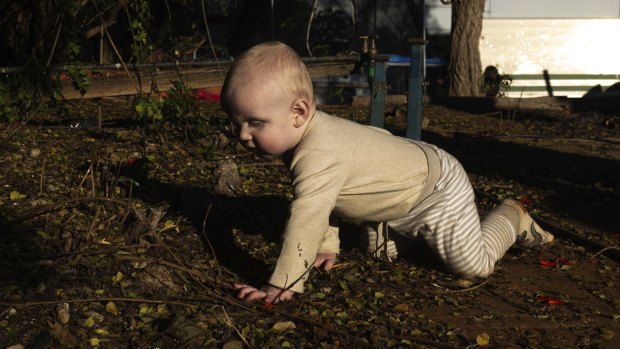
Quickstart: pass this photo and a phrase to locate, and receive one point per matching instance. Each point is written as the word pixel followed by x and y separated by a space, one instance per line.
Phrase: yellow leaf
pixel 111 308
pixel 483 339
pixel 169 223
pixel 102 332
pixel 162 309
pixel 284 326
pixel 118 277
pixel 104 242
pixel 90 322
pixel 144 310
pixel 15 195
pixel 94 342
pixel 99 292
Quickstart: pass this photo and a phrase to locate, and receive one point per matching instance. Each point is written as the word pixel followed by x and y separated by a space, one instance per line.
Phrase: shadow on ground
pixel 585 188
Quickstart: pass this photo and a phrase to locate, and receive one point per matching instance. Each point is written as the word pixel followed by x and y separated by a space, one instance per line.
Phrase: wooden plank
pixel 121 84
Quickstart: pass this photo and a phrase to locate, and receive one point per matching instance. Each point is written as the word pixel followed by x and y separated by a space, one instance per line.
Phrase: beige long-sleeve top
pixel 352 171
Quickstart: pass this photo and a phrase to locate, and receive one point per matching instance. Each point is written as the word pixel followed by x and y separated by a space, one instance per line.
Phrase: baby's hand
pixel 268 294
pixel 326 260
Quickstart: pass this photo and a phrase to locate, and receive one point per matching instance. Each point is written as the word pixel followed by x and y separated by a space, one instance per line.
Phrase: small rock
pixel 35 152
pixel 227 180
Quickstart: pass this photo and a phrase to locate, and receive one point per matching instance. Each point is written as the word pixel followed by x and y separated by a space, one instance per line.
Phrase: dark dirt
pixel 116 239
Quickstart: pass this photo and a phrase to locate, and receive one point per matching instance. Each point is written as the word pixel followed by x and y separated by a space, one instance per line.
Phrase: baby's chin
pixel 267 156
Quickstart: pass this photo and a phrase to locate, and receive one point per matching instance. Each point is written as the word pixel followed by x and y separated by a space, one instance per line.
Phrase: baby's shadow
pixel 220 217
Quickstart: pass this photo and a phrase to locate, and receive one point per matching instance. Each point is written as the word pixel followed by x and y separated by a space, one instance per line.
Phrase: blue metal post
pixel 414 97
pixel 377 89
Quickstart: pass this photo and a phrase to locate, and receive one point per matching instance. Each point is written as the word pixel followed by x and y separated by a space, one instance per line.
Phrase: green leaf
pixel 111 308
pixel 90 322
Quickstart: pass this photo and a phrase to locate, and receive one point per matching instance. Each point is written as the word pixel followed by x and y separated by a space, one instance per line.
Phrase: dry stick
pixel 469 288
pixel 167 248
pixel 90 168
pixel 204 234
pixel 167 264
pixel 114 46
pixel 67 205
pixel 603 250
pixel 204 18
pixel 92 180
pixel 42 175
pixel 230 323
pixel 103 299
pixel 49 58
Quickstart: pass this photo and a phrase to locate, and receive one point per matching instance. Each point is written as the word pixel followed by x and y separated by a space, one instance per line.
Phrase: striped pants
pixel 448 221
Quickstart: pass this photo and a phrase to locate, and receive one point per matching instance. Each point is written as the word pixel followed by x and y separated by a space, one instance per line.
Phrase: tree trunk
pixel 465 68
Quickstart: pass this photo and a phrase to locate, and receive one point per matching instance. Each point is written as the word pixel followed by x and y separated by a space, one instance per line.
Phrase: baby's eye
pixel 256 123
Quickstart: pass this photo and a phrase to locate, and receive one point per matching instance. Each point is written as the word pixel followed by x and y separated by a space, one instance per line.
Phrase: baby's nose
pixel 244 134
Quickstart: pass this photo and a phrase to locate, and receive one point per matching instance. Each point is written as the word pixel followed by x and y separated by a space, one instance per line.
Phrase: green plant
pixel 17 98
pixel 180 103
pixel 149 109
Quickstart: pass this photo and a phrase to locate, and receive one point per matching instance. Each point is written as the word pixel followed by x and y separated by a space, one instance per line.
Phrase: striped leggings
pixel 448 221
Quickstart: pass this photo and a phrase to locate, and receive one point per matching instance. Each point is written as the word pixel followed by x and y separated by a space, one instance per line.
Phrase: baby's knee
pixel 479 270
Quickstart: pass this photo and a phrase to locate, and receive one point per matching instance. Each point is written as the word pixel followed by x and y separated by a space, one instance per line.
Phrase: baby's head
pixel 272 64
pixel 268 95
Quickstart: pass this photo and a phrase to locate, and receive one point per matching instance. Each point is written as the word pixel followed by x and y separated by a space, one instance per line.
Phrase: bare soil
pixel 118 239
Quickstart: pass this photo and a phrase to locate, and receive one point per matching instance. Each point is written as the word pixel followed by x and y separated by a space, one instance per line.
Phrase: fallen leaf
pixel 283 326
pixel 63 313
pixel 402 308
pixel 111 308
pixel 483 339
pixel 90 322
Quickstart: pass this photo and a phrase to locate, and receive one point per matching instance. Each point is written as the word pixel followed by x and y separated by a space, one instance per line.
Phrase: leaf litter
pixel 118 239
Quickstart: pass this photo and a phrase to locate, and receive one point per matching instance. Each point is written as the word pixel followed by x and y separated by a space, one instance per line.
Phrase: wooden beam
pixel 121 84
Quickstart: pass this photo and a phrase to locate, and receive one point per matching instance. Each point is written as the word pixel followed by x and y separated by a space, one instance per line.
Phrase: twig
pixel 469 288
pixel 603 250
pixel 69 204
pixel 102 299
pixel 42 175
pixel 230 323
pixel 204 18
pixel 88 171
pixel 49 58
pixel 204 234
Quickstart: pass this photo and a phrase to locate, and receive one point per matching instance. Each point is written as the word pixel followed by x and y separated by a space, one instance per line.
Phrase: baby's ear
pixel 301 111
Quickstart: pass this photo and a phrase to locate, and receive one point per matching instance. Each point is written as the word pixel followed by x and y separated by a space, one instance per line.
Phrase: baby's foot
pixel 530 233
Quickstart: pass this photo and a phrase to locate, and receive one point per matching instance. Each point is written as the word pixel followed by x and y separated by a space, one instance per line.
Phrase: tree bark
pixel 465 68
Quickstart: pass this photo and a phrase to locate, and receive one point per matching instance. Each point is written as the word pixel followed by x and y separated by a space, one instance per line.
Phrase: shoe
pixel 373 241
pixel 530 233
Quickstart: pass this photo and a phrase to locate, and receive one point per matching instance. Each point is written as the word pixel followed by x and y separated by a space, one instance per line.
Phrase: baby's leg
pixel 449 222
pixel 373 240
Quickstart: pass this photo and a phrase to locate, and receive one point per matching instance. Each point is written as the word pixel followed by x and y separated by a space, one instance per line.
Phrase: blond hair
pixel 269 62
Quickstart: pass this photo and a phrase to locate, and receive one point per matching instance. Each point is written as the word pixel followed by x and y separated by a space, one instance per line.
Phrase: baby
pixel 341 169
